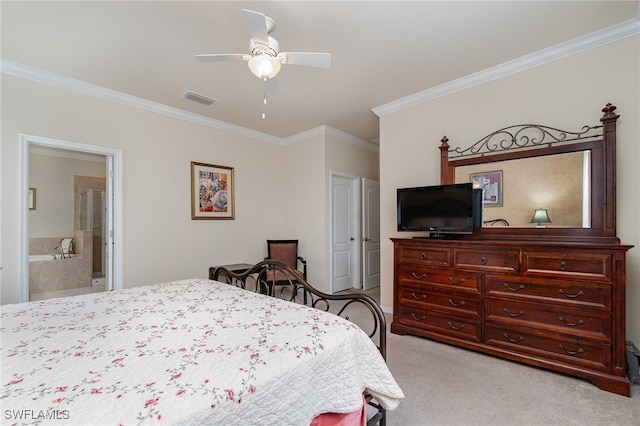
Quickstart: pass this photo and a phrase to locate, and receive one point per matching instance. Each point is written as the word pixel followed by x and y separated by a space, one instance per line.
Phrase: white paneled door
pixel 344 232
pixel 370 233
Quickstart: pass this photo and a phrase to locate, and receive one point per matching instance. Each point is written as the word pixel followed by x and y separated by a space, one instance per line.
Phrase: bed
pixel 195 351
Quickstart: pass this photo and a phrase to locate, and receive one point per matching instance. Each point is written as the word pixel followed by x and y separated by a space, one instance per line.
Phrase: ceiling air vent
pixel 201 99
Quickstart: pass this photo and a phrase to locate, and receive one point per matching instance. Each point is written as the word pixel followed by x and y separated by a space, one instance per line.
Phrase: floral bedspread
pixel 188 352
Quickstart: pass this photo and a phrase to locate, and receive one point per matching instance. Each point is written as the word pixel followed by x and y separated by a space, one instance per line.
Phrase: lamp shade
pixel 540 216
pixel 264 66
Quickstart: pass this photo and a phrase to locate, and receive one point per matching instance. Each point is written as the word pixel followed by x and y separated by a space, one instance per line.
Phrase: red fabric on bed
pixel 356 418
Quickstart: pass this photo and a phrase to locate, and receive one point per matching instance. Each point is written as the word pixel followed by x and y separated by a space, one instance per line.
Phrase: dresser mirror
pixel 559 183
pixel 528 167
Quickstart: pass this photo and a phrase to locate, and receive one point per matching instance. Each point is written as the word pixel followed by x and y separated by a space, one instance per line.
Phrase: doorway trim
pixel 114 157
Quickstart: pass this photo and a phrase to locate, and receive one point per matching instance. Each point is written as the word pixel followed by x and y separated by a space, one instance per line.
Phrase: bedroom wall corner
pixel 344 157
pixel 161 242
pixel 304 214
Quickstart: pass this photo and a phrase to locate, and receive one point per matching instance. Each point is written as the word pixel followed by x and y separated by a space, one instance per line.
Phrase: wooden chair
pixel 285 251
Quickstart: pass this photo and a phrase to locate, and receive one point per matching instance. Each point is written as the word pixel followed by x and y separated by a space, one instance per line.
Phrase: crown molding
pixel 332 132
pixel 590 41
pixel 62 82
pixel 45 77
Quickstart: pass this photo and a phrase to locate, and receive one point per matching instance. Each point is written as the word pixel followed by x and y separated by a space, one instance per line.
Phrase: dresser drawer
pixel 569 293
pixel 574 322
pixel 548 347
pixel 449 325
pixel 418 297
pixel 440 278
pixel 428 256
pixel 581 265
pixel 487 260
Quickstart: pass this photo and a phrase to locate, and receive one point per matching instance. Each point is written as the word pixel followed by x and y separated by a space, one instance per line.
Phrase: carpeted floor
pixel 446 385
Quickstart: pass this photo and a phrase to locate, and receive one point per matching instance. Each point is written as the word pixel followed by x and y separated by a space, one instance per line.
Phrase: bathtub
pixel 40 257
pixel 47 274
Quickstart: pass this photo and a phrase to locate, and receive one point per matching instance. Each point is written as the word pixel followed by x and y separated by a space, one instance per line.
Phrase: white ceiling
pixel 381 51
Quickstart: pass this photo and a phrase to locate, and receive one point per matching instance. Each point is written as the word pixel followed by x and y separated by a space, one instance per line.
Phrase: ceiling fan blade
pixel 318 60
pixel 257 24
pixel 219 57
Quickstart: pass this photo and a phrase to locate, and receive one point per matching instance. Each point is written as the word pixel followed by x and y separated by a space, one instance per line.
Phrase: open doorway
pixel 71 219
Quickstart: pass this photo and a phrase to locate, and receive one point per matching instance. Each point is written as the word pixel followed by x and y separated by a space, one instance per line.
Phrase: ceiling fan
pixel 265 59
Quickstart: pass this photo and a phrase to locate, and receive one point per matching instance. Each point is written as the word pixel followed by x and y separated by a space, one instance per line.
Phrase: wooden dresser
pixel 551 297
pixel 554 305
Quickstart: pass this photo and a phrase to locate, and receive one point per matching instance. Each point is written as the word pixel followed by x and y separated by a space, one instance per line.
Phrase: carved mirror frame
pixel 513 143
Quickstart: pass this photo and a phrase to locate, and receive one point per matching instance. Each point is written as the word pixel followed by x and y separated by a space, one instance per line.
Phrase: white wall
pixel 566 94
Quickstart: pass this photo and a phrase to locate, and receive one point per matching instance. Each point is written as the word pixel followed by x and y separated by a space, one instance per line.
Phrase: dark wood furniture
pixel 547 297
pixel 286 251
pixel 238 268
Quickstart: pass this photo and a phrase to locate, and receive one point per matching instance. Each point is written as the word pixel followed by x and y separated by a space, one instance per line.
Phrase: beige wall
pixel 307 190
pixel 566 94
pixel 161 242
pixel 53 179
pixel 351 160
pixel 303 208
pixel 280 191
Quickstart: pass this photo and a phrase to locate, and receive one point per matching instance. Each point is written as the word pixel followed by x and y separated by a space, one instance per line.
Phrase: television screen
pixel 440 209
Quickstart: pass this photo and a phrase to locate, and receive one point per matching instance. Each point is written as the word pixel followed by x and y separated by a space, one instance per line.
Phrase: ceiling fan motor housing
pixel 261 49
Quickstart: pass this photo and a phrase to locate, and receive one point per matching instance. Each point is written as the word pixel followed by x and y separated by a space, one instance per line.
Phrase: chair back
pixel 286 251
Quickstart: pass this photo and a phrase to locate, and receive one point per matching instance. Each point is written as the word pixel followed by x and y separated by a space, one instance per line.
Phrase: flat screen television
pixel 441 209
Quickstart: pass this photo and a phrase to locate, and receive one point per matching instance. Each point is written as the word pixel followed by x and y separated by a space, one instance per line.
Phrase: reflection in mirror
pixel 559 183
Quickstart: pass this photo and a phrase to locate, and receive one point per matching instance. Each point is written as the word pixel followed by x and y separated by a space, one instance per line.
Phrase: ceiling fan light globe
pixel 264 66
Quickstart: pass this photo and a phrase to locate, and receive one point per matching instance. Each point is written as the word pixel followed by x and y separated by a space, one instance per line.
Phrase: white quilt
pixel 190 352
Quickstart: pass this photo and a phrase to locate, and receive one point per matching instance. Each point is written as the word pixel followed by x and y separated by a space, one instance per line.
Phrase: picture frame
pixel 32 198
pixel 212 191
pixel 491 184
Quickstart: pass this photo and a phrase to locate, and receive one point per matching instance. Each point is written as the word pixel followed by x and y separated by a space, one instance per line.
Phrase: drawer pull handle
pixel 563 266
pixel 511 339
pixel 483 260
pixel 418 277
pixel 579 351
pixel 571 324
pixel 417 318
pixel 422 296
pixel 423 256
pixel 513 288
pixel 457 305
pixel 460 327
pixel 456 282
pixel 511 314
pixel 571 296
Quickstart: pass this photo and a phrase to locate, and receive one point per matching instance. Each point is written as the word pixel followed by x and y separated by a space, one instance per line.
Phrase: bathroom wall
pixel 59 178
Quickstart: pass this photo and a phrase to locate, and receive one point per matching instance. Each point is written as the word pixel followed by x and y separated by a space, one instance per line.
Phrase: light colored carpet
pixel 445 385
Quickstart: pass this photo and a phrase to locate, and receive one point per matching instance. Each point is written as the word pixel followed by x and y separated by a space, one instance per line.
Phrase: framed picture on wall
pixel 491 184
pixel 212 189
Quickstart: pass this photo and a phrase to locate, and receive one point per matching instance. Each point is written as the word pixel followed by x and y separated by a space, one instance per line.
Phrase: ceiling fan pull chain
pixel 264 106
